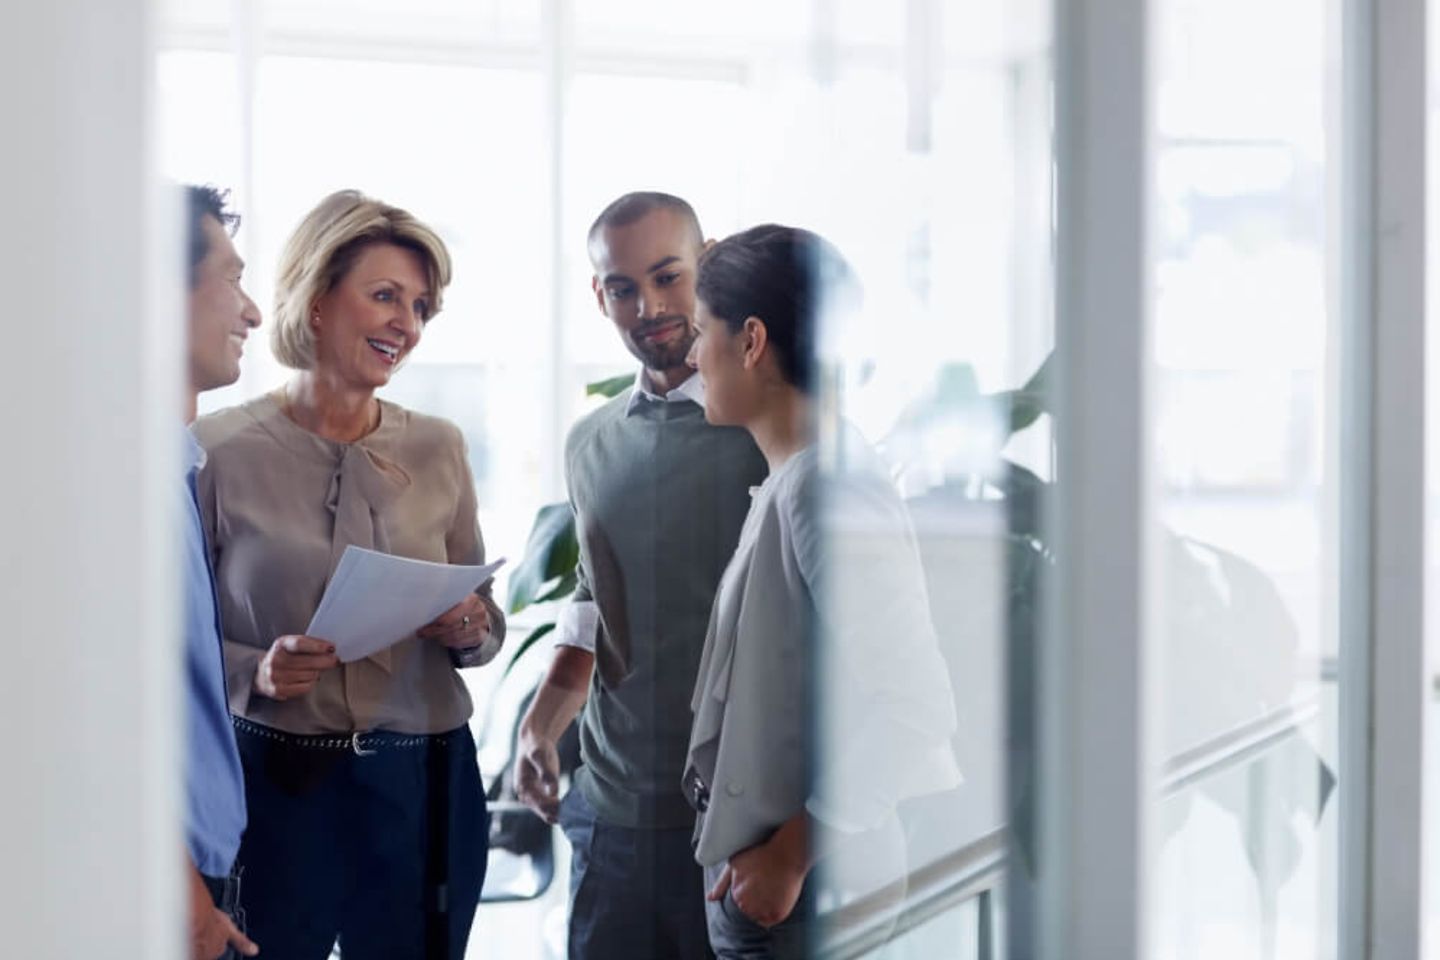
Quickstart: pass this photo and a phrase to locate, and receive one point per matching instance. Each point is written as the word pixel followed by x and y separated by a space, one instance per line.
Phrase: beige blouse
pixel 280 505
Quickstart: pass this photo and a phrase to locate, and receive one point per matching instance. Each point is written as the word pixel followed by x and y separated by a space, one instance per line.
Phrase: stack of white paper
pixel 375 600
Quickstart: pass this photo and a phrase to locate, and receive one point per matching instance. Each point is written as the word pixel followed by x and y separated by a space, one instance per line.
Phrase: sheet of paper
pixel 375 600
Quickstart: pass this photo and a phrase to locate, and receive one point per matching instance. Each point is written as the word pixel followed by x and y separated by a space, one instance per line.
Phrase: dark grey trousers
pixel 635 894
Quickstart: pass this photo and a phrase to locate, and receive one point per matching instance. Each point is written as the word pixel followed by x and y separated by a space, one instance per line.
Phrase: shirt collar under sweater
pixel 693 390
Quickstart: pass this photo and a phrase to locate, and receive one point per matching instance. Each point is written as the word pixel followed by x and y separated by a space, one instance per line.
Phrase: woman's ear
pixel 754 339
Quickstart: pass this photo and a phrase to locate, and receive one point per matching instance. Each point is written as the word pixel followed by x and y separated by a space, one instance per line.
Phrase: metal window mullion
pixel 1096 667
pixel 558 57
pixel 247 42
pixel 1398 507
pixel 1382 653
pixel 1354 238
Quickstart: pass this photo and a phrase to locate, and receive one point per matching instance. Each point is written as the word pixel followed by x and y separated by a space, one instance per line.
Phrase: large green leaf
pixel 610 386
pixel 550 555
pixel 1039 381
pixel 1024 406
pixel 956 385
pixel 562 589
pixel 535 636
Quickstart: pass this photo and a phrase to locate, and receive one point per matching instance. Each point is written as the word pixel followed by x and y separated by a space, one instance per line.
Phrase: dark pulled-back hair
pixel 201 202
pixel 631 207
pixel 784 276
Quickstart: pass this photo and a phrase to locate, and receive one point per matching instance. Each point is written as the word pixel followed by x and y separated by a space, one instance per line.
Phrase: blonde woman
pixel 367 817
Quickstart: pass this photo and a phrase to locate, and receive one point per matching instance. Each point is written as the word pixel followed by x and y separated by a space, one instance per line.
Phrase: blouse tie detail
pixel 363 485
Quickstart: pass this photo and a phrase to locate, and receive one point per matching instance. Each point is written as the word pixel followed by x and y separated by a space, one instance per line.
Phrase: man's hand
pixel 537 776
pixel 765 880
pixel 211 930
pixel 556 703
pixel 292 666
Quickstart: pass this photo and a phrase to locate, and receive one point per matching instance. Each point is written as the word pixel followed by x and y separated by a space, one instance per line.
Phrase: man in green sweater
pixel 659 497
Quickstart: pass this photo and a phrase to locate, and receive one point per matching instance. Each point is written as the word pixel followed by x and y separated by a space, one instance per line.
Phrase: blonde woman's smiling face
pixel 373 317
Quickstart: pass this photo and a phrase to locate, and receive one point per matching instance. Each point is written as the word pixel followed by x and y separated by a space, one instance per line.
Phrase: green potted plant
pixel 548 570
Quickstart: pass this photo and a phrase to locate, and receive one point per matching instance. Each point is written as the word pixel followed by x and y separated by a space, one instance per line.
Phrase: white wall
pixel 88 709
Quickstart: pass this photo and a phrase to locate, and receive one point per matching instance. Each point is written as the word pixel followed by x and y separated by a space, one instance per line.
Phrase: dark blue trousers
pixel 635 894
pixel 383 851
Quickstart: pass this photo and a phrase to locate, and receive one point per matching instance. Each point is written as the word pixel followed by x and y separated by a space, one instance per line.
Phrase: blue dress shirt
pixel 214 785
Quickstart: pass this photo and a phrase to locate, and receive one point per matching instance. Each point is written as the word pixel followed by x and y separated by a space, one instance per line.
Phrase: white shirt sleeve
pixel 578 625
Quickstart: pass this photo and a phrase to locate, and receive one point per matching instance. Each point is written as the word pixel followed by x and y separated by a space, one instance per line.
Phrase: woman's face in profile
pixel 368 324
pixel 719 357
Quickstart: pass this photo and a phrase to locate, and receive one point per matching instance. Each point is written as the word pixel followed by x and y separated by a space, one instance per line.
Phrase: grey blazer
pixel 884 702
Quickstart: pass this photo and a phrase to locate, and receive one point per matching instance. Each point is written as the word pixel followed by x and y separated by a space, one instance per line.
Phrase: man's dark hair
pixel 201 202
pixel 784 276
pixel 633 206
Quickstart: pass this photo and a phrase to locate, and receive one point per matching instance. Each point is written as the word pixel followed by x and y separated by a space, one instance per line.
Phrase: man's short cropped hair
pixel 633 206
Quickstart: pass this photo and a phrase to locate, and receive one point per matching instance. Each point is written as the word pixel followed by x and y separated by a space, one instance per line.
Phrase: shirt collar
pixel 692 390
pixel 192 454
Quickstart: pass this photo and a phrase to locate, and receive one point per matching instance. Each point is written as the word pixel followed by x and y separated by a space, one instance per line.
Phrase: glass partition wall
pixel 941 146
pixel 937 379
pixel 1247 397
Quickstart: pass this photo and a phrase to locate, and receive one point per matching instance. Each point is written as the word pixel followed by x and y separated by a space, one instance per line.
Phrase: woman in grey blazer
pixel 772 797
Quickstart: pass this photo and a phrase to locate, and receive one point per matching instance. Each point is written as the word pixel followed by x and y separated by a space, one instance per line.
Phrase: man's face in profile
pixel 645 283
pixel 221 314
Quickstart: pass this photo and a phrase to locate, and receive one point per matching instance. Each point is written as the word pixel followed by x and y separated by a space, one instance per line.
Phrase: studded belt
pixel 362 744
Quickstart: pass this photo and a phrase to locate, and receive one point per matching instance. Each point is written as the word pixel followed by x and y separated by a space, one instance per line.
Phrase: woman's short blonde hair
pixel 324 247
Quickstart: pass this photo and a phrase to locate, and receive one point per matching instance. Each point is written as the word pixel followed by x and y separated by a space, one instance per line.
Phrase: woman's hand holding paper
pixel 292 666
pixel 461 627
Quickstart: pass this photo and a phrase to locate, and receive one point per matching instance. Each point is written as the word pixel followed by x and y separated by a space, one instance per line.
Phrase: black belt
pixel 695 790
pixel 361 744
pixel 224 891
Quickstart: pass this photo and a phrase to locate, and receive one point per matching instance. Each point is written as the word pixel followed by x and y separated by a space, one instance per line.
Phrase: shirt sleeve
pixel 578 625
pixel 241 659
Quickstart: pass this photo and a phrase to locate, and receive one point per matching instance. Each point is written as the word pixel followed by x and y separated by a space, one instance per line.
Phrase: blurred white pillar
pixel 88 688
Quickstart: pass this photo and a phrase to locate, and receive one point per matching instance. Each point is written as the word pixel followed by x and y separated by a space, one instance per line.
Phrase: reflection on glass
pixel 1247 399
pixel 887 702
pixel 942 374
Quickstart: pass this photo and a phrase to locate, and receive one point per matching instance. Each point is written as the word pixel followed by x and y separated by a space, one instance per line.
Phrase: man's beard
pixel 661 356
